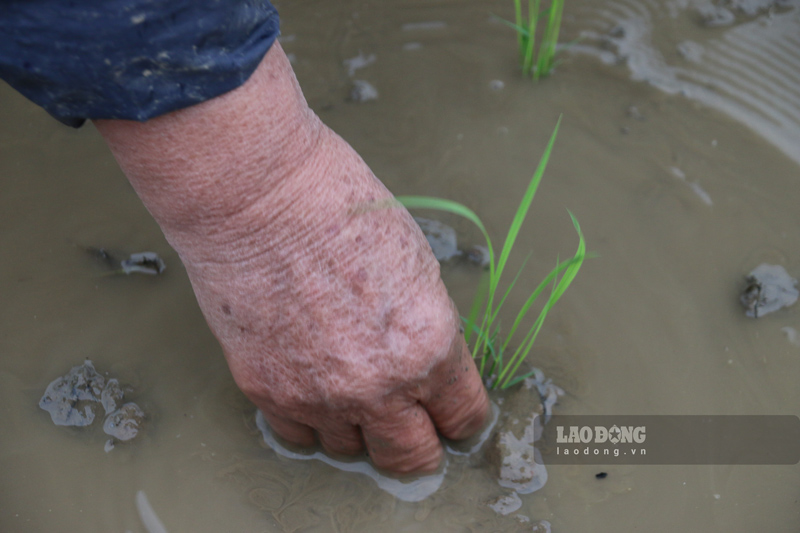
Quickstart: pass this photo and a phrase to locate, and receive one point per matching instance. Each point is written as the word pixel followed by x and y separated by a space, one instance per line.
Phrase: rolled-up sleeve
pixel 130 59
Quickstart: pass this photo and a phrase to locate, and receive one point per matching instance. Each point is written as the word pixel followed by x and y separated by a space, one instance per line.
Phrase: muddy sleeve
pixel 130 59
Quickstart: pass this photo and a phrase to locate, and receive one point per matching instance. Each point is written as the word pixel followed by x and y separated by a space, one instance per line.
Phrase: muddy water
pixel 680 161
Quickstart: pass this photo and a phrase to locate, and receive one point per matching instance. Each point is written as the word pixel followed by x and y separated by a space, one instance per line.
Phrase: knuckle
pixel 417 460
pixel 467 418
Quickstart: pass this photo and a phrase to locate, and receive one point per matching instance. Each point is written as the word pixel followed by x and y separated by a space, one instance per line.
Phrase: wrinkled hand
pixel 335 321
pixel 325 297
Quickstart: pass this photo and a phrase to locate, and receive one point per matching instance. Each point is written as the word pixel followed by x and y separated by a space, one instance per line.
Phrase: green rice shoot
pixel 490 346
pixel 537 64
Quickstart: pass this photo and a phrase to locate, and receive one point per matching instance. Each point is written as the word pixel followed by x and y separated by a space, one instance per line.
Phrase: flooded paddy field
pixel 678 153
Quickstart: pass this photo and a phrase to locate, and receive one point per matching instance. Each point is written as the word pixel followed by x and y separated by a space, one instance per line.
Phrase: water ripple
pixel 749 70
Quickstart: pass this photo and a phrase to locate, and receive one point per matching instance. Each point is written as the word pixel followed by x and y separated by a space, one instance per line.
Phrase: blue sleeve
pixel 130 59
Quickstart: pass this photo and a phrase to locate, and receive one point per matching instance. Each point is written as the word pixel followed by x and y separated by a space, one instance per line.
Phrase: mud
pixel 680 199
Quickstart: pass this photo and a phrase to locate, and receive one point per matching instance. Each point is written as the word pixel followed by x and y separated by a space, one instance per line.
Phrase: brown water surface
pixel 680 161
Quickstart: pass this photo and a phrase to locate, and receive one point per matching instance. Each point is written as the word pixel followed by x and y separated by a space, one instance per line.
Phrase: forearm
pixel 333 318
pixel 201 170
pixel 252 186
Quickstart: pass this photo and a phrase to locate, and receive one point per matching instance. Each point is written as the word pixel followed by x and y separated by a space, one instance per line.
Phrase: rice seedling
pixel 537 65
pixel 490 347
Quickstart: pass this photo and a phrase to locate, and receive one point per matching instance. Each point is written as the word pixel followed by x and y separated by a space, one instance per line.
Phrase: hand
pixel 331 313
pixel 336 322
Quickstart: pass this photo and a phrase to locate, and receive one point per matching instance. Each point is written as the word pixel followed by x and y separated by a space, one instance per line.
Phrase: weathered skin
pixel 333 318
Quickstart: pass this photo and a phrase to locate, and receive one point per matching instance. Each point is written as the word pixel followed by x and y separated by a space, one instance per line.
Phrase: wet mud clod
pixel 72 400
pixel 769 288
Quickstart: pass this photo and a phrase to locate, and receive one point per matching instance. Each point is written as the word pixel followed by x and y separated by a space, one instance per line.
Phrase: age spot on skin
pixel 387 320
pixel 226 309
pixel 358 281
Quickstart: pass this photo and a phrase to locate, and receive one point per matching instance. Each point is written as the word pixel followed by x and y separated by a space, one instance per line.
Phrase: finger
pixel 458 403
pixel 289 430
pixel 341 440
pixel 404 441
